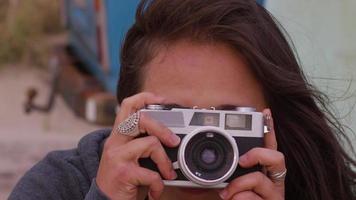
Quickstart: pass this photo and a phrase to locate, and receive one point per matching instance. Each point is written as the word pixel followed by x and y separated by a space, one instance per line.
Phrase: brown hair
pixel 307 133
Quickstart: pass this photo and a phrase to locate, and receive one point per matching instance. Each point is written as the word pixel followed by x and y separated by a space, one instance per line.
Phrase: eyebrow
pixel 220 107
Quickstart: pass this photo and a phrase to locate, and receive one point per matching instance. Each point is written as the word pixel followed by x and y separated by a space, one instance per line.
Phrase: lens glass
pixel 209 155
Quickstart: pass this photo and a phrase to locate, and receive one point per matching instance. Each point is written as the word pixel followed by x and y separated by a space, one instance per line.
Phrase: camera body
pixel 211 143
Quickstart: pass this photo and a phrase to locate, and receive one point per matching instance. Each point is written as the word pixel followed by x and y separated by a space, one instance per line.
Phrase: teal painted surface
pixel 81 22
pixel 324 33
pixel 82 25
pixel 261 2
pixel 82 35
pixel 120 15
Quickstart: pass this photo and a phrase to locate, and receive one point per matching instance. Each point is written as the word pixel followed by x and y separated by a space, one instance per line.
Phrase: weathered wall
pixel 324 33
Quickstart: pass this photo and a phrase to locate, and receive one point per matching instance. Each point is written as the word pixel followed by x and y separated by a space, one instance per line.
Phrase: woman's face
pixel 211 75
pixel 204 75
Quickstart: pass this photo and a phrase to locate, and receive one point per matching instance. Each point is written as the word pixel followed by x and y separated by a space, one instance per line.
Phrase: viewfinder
pixel 238 122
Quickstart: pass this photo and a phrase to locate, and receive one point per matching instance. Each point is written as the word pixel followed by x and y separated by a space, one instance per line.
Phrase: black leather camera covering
pixel 244 144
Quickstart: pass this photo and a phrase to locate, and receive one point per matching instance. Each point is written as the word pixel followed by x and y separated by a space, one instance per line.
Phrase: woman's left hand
pixel 259 185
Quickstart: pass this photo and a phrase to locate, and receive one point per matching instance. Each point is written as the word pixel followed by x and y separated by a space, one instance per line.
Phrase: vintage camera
pixel 212 141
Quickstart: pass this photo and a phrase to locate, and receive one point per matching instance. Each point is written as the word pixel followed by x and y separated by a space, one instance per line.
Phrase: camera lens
pixel 209 155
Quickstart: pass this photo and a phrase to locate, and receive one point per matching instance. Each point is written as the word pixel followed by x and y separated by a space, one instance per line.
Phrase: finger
pixel 246 195
pixel 136 102
pixel 129 106
pixel 151 147
pixel 271 159
pixel 146 177
pixel 154 128
pixel 270 137
pixel 256 182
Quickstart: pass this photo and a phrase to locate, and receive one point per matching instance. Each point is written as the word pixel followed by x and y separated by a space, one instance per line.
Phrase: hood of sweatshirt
pixel 89 150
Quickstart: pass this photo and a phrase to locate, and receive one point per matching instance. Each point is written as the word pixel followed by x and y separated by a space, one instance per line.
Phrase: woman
pixel 205 53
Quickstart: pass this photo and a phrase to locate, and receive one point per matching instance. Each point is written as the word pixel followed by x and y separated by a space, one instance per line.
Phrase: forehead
pixel 202 75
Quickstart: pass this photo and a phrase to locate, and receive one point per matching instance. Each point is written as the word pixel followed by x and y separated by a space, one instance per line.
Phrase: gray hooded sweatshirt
pixel 68 174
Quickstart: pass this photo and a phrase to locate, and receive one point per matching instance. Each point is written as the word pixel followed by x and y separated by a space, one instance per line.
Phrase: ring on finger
pixel 277 176
pixel 129 126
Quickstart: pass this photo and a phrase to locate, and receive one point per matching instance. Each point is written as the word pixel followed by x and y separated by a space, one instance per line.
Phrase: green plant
pixel 24 27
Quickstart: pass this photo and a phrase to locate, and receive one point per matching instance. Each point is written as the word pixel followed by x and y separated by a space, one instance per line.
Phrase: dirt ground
pixel 25 139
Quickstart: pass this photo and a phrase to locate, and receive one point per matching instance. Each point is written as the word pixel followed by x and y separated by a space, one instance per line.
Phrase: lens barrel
pixel 208 156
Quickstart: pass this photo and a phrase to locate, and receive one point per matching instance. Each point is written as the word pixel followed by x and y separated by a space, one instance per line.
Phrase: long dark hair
pixel 307 133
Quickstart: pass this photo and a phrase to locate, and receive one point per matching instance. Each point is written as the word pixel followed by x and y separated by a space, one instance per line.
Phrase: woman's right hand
pixel 119 173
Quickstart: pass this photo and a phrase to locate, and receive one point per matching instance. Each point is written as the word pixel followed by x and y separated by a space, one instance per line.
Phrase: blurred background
pixel 59 66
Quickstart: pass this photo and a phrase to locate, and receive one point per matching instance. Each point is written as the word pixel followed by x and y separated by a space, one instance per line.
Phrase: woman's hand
pixel 257 185
pixel 119 174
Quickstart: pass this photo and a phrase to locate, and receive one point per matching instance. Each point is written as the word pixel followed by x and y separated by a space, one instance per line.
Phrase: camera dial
pixel 245 109
pixel 155 107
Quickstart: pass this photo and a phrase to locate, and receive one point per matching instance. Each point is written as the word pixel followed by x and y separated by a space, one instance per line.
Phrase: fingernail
pixel 243 159
pixel 173 175
pixel 223 194
pixel 175 139
pixel 150 196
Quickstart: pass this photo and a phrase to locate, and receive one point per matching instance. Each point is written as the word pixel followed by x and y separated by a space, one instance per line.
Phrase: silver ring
pixel 129 127
pixel 277 176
